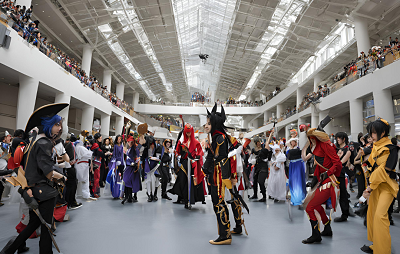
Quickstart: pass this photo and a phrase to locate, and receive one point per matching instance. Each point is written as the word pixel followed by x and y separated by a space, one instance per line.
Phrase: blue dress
pixel 113 176
pixel 297 178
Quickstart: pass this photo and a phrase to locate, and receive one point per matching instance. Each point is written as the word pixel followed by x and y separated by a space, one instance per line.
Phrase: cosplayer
pixel 39 174
pixel 297 180
pixel 382 187
pixel 277 179
pixel 328 167
pixel 165 160
pixel 190 173
pixel 116 166
pixel 132 174
pixel 150 157
pixel 218 168
pixel 83 157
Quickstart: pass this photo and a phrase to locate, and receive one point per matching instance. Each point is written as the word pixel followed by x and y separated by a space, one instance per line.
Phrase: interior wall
pixel 8 107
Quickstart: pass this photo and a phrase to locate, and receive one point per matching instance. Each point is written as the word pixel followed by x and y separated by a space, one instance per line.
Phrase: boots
pixel 165 196
pixel 225 238
pixel 327 229
pixel 149 197
pixel 135 198
pixel 316 235
pixel 125 196
pixel 237 214
pixel 130 199
pixel 155 198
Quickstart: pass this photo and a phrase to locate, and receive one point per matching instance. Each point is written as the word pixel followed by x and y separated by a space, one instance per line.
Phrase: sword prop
pixel 235 194
pixel 189 175
pixel 36 211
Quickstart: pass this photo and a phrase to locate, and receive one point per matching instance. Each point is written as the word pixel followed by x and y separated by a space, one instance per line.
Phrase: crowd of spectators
pixel 368 62
pixel 198 97
pixel 166 122
pixel 29 30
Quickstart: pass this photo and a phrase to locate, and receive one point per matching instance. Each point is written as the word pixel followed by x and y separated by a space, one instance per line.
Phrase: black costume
pixel 218 170
pixel 165 176
pixel 261 171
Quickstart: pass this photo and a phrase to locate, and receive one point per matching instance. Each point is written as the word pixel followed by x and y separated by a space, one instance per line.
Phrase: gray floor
pixel 106 226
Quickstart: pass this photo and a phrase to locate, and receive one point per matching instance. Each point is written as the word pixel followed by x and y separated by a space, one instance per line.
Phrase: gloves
pixel 323 176
pixel 59 149
pixel 30 201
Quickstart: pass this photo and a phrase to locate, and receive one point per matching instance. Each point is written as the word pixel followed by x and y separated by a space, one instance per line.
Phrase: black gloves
pixel 30 201
pixel 323 176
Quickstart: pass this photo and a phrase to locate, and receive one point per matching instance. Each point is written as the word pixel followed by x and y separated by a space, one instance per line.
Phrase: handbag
pixel 44 191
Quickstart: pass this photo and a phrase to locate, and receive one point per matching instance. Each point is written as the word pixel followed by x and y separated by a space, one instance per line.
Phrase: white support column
pixel 27 92
pixel 362 36
pixel 135 100
pixel 119 124
pixel 356 118
pixel 63 98
pixel 267 115
pixel 279 110
pixel 317 80
pixel 87 58
pixel 383 103
pixel 107 79
pixel 120 90
pixel 287 132
pixel 314 120
pixel 87 118
pixel 299 96
pixel 105 125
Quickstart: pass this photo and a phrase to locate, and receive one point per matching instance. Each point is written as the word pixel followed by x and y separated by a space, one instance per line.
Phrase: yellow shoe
pixel 221 242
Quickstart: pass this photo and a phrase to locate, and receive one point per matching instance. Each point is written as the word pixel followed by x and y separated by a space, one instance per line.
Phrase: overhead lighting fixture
pixel 285 14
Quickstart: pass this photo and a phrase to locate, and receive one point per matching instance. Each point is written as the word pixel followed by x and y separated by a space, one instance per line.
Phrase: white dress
pixel 277 178
pixel 83 155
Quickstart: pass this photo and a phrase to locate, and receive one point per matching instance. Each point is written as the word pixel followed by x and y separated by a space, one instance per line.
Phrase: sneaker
pixel 92 199
pixel 75 206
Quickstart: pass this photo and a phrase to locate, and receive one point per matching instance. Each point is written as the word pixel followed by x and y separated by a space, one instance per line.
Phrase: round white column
pixel 314 120
pixel 107 79
pixel 135 100
pixel 362 36
pixel 26 99
pixel 383 104
pixel 267 115
pixel 63 98
pixel 356 118
pixel 105 125
pixel 87 58
pixel 87 118
pixel 119 124
pixel 279 110
pixel 317 81
pixel 120 90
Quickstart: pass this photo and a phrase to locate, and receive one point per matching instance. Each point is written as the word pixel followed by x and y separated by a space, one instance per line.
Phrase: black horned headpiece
pixel 217 119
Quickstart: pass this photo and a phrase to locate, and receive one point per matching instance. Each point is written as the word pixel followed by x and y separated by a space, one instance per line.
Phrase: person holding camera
pixel 40 173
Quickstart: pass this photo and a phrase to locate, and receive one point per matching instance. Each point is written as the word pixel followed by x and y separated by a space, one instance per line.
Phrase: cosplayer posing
pixel 328 167
pixel 218 169
pixel 37 184
pixel 116 166
pixel 131 174
pixel 382 187
pixel 297 178
pixel 190 150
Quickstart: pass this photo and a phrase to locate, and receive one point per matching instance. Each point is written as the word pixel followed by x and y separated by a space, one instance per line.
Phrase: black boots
pixel 237 214
pixel 155 198
pixel 135 198
pixel 327 229
pixel 225 238
pixel 316 235
pixel 128 195
pixel 149 197
pixel 165 196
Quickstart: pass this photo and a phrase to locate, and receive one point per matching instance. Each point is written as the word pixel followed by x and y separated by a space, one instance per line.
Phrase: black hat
pixel 48 110
pixel 97 136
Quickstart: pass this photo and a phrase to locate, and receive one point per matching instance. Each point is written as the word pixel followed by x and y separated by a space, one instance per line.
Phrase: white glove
pixel 59 149
pixel 118 163
pixel 232 153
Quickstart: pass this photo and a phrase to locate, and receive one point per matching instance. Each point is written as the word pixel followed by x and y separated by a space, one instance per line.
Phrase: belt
pixel 82 162
pixel 296 160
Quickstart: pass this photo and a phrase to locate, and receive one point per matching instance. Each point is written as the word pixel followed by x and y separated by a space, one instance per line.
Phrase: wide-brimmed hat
pixel 48 110
pixel 320 135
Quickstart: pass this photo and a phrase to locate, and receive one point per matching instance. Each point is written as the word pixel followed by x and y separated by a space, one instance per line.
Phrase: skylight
pixel 203 27
pixel 116 47
pixel 284 15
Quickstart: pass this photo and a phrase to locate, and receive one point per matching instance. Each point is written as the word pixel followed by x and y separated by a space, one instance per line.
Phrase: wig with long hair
pixel 116 140
pixel 217 120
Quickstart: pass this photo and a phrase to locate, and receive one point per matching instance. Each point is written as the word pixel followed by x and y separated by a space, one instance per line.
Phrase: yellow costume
pixel 384 190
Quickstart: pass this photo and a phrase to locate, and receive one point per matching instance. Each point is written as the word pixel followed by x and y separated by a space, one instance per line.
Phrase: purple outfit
pixel 132 174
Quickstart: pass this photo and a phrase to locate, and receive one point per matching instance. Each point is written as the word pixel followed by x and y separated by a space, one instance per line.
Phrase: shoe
pixel 1 204
pixel 155 198
pixel 391 222
pixel 92 198
pixel 262 200
pixel 189 207
pixel 327 229
pixel 269 197
pixel 254 197
pixel 22 250
pixel 96 196
pixel 135 197
pixel 75 206
pixel 352 190
pixel 340 219
pixel 149 197
pixel 165 196
pixel 237 230
pixel 366 249
pixel 123 201
pixel 316 235
pixel 203 202
pixel 221 241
